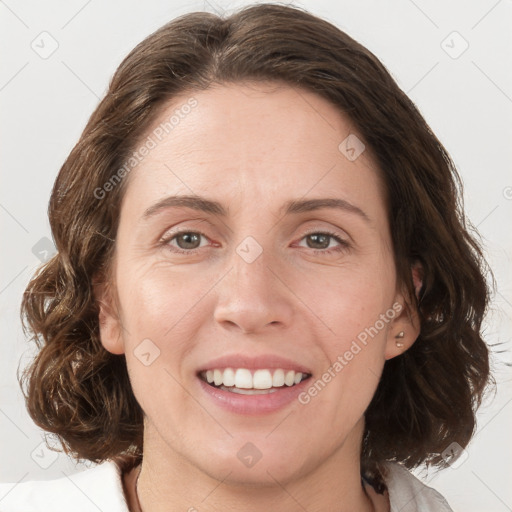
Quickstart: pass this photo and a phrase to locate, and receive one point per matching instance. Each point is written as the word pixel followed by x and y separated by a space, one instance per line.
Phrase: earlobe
pixel 400 341
pixel 405 328
pixel 109 322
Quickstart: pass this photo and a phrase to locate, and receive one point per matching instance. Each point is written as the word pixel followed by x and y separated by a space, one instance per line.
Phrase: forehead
pixel 263 143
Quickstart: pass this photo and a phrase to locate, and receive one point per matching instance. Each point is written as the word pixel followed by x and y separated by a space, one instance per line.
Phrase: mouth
pixel 243 381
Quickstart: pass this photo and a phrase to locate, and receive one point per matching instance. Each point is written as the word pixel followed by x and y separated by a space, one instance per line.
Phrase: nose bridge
pixel 250 268
pixel 251 296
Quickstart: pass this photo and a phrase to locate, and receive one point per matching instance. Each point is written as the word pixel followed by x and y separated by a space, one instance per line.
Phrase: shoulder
pixel 97 488
pixel 408 494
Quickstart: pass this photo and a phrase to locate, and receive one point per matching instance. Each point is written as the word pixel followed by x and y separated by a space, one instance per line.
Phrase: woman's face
pixel 257 269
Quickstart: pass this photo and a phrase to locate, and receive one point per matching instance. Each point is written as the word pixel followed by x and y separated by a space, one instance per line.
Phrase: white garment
pixel 100 489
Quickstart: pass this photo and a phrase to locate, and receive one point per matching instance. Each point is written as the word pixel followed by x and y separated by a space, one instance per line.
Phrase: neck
pixel 165 478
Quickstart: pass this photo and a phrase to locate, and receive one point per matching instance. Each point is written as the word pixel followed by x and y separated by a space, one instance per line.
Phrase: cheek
pixel 160 323
pixel 159 333
pixel 356 305
pixel 351 299
pixel 158 300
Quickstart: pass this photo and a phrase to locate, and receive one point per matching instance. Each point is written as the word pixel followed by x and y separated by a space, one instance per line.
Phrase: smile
pixel 247 382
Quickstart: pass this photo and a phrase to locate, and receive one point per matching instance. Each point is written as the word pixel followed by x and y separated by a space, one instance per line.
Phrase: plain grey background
pixel 453 60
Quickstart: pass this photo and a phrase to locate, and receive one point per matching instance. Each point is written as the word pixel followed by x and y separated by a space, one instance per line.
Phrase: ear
pixel 405 327
pixel 108 317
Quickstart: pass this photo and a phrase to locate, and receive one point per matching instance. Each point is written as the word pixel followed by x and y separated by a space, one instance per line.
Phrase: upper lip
pixel 251 362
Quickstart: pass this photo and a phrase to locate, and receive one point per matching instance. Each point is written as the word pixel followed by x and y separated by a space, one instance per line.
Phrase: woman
pixel 265 296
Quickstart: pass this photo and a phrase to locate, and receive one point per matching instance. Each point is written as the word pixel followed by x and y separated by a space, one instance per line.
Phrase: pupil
pixel 190 240
pixel 323 240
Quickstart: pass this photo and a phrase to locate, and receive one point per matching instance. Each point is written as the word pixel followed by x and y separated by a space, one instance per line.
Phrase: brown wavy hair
pixel 426 398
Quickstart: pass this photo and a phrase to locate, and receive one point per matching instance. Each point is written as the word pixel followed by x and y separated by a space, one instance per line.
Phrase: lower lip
pixel 254 404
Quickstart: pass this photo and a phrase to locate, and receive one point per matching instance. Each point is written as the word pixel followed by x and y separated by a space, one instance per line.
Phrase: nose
pixel 253 297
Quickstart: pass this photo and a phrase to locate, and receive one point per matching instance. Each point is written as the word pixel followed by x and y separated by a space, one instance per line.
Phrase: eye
pixel 321 242
pixel 184 241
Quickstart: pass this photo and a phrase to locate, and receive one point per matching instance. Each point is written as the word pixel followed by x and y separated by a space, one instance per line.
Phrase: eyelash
pixel 343 244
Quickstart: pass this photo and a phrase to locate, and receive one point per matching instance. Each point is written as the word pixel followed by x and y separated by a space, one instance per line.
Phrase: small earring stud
pixel 398 337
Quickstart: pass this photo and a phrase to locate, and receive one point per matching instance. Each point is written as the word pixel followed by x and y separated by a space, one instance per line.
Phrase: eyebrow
pixel 291 207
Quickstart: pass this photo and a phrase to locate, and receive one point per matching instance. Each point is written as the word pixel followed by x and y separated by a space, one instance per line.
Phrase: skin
pixel 252 148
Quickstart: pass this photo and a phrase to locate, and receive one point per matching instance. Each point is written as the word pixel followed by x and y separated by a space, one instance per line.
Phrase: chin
pixel 254 463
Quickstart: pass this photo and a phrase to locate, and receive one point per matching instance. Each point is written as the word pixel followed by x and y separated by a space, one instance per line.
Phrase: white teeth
pixel 229 377
pixel 217 377
pixel 262 379
pixel 278 378
pixel 242 378
pixel 289 378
